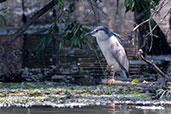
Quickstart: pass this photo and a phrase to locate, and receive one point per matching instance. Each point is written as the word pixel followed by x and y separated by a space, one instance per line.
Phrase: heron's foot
pixel 110 81
pixel 108 68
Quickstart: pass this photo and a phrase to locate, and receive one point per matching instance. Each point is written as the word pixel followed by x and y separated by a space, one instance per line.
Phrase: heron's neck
pixel 102 37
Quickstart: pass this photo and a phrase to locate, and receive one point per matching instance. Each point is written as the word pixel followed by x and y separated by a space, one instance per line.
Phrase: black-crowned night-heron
pixel 113 51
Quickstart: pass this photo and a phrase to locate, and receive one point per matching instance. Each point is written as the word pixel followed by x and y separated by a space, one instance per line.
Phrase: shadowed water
pixel 121 109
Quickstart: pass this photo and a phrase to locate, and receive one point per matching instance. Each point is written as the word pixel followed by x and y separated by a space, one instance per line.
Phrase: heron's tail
pixel 123 74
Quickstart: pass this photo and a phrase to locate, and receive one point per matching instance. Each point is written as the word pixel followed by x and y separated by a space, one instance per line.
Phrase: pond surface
pixel 120 109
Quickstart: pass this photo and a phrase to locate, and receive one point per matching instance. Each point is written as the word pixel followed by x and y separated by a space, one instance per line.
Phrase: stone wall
pixel 111 14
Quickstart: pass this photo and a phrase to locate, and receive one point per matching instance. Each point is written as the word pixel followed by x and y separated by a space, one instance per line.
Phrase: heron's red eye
pixel 97 30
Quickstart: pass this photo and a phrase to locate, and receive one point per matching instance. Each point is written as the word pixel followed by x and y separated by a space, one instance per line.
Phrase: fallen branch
pixel 149 86
pixel 153 65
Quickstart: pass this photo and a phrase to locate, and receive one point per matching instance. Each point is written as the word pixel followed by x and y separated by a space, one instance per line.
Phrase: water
pixel 120 109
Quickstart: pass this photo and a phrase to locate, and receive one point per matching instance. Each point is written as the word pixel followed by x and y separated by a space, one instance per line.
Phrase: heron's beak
pixel 89 33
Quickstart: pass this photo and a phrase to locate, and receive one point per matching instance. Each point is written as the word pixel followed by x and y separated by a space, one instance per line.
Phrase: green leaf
pixel 79 43
pixel 43 43
pixel 3 19
pixel 48 41
pixel 55 30
pixel 74 35
pixel 42 30
pixel 60 4
pixel 61 44
pixel 72 44
pixel 129 5
pixel 168 94
pixel 3 9
pixel 159 91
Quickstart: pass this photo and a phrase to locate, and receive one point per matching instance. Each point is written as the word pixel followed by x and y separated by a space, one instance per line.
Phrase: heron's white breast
pixel 105 47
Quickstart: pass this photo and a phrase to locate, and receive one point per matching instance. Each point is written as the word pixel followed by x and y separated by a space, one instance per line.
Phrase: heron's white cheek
pixel 94 35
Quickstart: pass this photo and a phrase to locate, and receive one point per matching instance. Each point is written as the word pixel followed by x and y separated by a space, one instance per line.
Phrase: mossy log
pixel 152 86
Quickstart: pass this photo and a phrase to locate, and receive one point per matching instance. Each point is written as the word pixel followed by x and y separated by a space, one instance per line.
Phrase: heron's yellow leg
pixel 110 81
pixel 108 68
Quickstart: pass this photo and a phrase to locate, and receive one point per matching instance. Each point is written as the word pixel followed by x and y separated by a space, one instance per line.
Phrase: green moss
pixel 45 93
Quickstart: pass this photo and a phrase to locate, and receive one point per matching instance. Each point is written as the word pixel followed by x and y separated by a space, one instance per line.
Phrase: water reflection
pixel 110 109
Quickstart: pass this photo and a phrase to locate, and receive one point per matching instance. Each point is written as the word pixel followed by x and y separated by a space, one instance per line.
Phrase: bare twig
pixel 135 28
pixel 153 65
pixel 94 11
pixel 78 27
pixel 151 29
pixel 95 5
pixel 158 23
pixel 155 12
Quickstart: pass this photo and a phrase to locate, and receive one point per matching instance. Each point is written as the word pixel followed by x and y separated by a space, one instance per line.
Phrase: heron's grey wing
pixel 120 55
pixel 117 36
